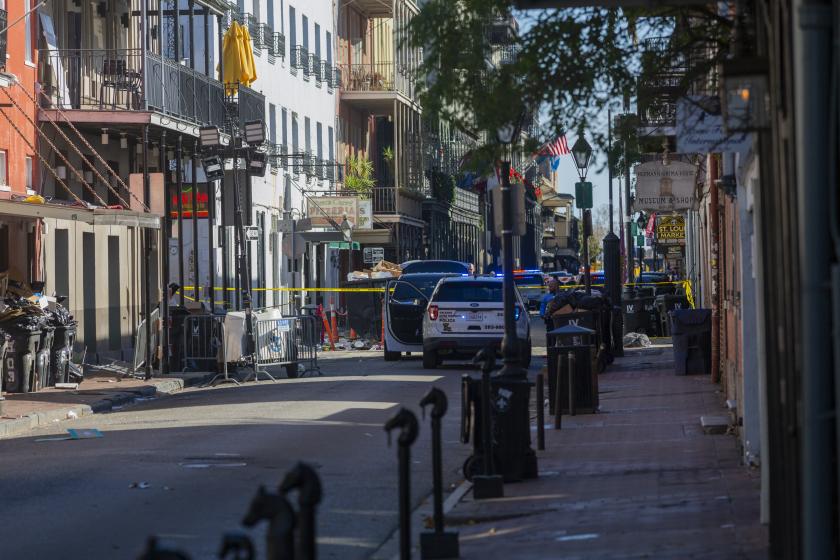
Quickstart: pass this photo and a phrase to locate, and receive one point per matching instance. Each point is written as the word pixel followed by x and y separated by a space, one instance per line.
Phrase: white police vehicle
pixel 466 314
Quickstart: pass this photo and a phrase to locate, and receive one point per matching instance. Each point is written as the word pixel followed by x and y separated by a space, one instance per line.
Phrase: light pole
pixel 582 154
pixel 506 135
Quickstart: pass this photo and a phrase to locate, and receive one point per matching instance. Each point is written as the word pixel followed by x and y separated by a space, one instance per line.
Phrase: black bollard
pixel 572 383
pixel 540 413
pixel 489 485
pixel 406 421
pixel 239 545
pixel 306 480
pixel 280 539
pixel 437 544
pixel 156 552
pixel 558 394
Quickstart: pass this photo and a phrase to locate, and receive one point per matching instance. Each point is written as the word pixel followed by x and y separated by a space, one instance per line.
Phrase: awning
pixel 97 216
pixel 557 200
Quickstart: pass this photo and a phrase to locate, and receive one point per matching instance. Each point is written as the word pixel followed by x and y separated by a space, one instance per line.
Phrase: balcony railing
pixel 384 199
pixel 278 45
pixel 113 79
pixel 327 74
pixel 315 68
pixel 303 61
pixel 377 76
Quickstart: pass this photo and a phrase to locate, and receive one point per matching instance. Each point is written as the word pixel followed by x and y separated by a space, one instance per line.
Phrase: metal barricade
pixel 202 339
pixel 286 341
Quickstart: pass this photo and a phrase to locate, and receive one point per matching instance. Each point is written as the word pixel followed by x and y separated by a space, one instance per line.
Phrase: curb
pixel 24 424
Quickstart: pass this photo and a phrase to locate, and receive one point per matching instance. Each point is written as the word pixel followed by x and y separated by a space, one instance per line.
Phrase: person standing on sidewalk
pixel 553 285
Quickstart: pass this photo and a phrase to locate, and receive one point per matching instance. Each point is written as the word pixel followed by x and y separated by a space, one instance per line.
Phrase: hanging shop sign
pixel 670 230
pixel 365 220
pixel 661 186
pixel 335 207
pixel 700 128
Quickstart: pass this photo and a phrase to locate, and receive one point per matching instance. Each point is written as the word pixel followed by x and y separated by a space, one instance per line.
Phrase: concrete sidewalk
pixel 637 480
pixel 99 392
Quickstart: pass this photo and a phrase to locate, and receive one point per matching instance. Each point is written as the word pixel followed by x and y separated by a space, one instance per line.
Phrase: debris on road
pixel 636 340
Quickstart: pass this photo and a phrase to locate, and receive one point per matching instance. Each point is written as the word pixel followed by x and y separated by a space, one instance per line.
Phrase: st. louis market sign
pixel 665 186
pixel 670 230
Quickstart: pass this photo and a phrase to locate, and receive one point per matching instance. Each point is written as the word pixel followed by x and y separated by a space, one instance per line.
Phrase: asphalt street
pixel 186 467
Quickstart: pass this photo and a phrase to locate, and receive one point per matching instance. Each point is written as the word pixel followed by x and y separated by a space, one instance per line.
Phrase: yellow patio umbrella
pixel 238 58
pixel 249 69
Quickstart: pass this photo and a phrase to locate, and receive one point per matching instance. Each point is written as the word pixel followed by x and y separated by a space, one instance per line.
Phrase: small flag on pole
pixel 558 147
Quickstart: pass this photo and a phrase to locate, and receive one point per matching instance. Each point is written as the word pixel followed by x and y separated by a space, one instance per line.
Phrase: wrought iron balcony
pixel 376 76
pixel 113 79
pixel 327 74
pixel 278 45
pixel 315 68
pixel 304 62
pixel 266 37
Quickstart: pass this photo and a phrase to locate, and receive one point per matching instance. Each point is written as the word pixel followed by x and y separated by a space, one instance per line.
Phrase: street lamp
pixel 510 343
pixel 582 154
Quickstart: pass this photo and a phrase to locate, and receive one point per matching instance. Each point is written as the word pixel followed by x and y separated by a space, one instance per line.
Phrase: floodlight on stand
pixel 254 132
pixel 257 164
pixel 745 95
pixel 213 168
pixel 104 136
pixel 209 136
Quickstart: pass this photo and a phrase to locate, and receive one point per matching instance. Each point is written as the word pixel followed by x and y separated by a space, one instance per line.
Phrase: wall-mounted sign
pixel 318 208
pixel 665 187
pixel 365 215
pixel 670 230
pixel 700 128
pixel 374 254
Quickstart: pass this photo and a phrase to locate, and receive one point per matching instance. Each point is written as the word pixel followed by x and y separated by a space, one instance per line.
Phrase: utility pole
pixel 628 210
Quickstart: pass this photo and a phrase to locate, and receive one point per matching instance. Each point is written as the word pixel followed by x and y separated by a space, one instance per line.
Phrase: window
pixel 486 292
pixel 257 14
pixel 284 117
pixel 4 170
pixel 319 137
pixel 318 41
pixel 307 137
pixel 272 123
pixel 28 165
pixel 304 26
pixel 27 25
pixel 292 29
pixel 294 133
pixel 330 143
pixel 328 46
pixel 269 16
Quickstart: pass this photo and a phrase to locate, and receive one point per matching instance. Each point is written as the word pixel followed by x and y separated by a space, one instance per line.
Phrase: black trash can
pixel 64 338
pixel 637 314
pixel 586 363
pixel 691 331
pixel 513 457
pixel 19 363
pixel 41 376
pixel 664 305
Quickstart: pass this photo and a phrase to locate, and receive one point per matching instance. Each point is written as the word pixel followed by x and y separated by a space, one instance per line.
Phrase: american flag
pixel 558 147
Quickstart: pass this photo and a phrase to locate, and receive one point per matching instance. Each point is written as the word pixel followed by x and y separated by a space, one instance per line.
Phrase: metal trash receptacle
pixel 64 338
pixel 41 376
pixel 691 333
pixel 19 363
pixel 586 378
pixel 664 305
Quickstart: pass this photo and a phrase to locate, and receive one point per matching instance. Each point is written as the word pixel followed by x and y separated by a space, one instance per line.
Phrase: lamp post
pixel 510 343
pixel 582 154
